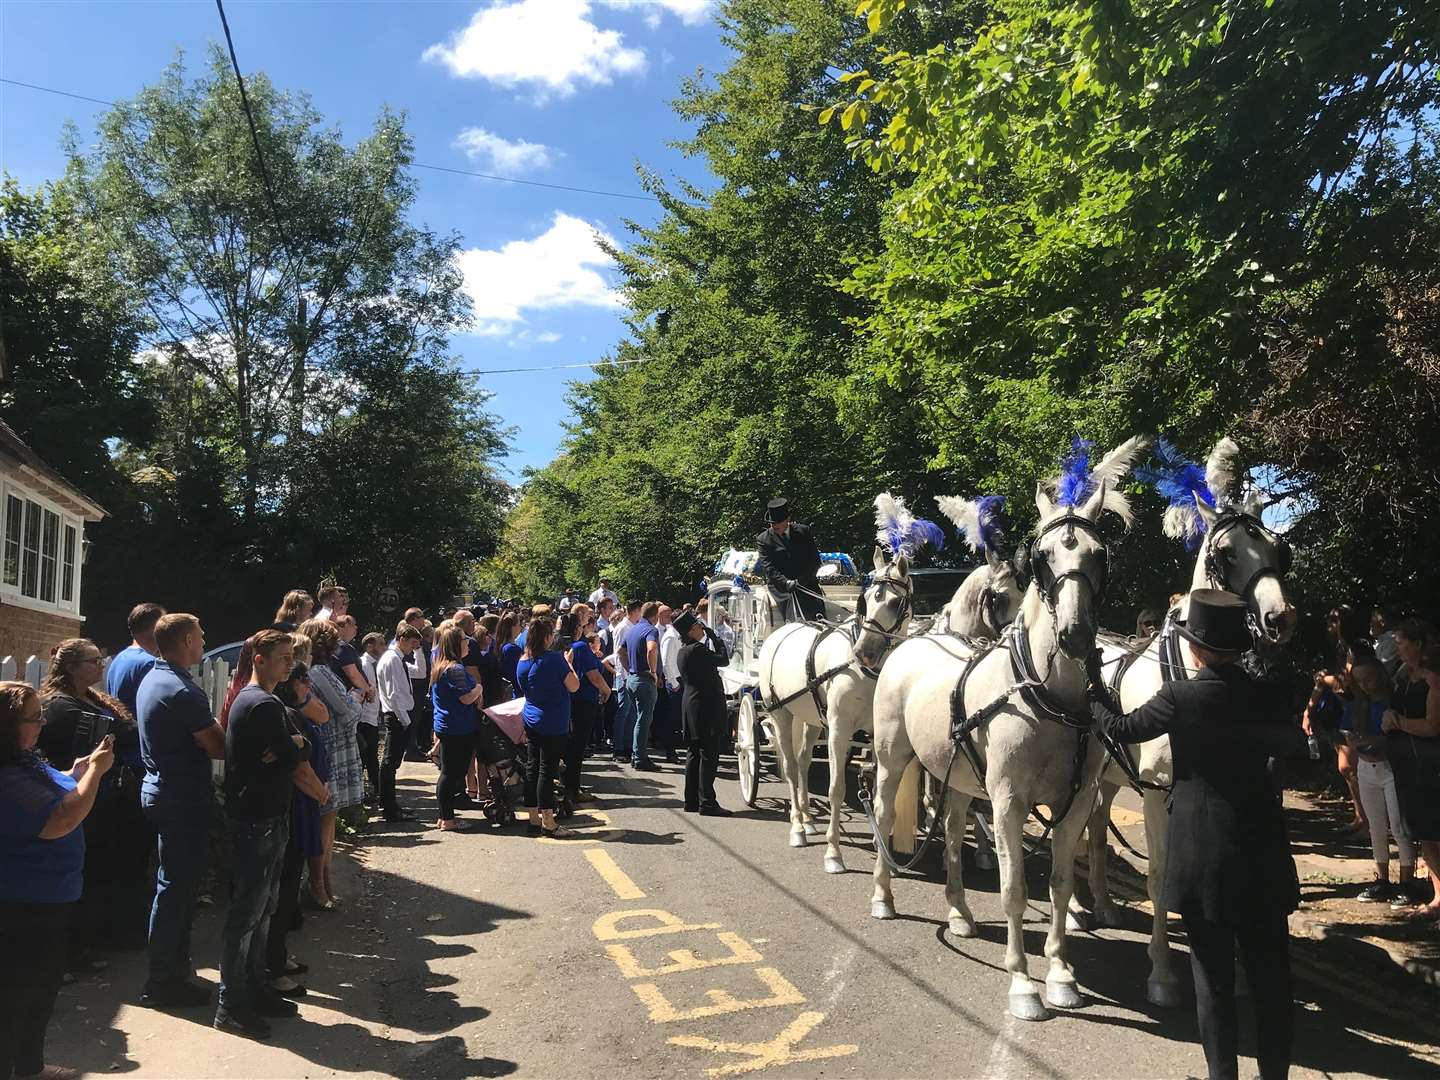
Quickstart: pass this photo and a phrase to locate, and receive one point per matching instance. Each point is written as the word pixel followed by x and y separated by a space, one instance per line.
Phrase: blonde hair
pixel 450 650
pixel 303 648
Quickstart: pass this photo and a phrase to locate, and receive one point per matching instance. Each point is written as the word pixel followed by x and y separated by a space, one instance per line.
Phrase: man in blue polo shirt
pixel 642 684
pixel 178 739
pixel 130 665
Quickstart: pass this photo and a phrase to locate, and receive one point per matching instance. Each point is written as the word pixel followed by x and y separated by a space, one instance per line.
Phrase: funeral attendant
pixel 707 725
pixel 789 561
pixel 1229 874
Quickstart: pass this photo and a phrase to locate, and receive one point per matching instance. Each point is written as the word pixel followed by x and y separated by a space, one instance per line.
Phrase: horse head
pixel 1069 565
pixel 989 598
pixel 884 609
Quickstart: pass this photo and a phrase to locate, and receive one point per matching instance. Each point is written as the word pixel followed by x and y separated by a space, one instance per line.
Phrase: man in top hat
pixel 703 705
pixel 789 560
pixel 1229 872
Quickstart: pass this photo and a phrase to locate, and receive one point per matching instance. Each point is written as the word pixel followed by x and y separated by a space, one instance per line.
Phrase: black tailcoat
pixel 792 559
pixel 1228 856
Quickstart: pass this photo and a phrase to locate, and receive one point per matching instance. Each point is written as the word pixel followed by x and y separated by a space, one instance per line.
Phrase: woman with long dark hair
pixel 297 606
pixel 342 748
pixel 1413 726
pixel 547 679
pixel 114 909
pixel 42 860
pixel 453 694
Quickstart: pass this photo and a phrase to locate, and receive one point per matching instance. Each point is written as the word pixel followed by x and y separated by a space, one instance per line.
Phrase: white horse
pixel 1025 747
pixel 989 598
pixel 848 655
pixel 1241 555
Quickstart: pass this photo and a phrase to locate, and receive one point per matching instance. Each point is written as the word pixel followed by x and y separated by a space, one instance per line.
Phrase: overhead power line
pixel 551 367
pixel 636 197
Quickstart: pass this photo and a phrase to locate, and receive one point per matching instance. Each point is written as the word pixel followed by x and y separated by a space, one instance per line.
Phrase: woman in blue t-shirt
pixel 547 679
pixel 453 694
pixel 510 652
pixel 42 859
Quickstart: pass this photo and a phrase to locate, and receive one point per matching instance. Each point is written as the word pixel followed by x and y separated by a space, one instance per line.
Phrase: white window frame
pixel 11 594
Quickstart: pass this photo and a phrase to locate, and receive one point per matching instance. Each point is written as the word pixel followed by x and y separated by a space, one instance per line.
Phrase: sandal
pixel 559 832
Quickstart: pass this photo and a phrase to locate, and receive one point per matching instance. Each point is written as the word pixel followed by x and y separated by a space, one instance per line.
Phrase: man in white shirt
pixel 602 593
pixel 393 672
pixel 367 732
pixel 604 612
pixel 624 708
pixel 669 671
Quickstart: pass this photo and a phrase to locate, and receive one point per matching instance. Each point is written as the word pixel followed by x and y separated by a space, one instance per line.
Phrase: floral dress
pixel 347 785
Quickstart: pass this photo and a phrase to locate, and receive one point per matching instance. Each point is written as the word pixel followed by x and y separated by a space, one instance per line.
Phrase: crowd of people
pixel 108 781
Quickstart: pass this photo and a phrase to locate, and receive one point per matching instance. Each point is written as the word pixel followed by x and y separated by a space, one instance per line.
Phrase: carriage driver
pixel 1229 874
pixel 789 561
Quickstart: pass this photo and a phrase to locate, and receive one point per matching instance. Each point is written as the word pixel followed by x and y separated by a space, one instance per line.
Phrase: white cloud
pixel 550 44
pixel 562 267
pixel 548 337
pixel 687 11
pixel 499 153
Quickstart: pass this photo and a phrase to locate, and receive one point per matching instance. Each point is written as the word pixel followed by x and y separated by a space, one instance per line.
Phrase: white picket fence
pixel 213 676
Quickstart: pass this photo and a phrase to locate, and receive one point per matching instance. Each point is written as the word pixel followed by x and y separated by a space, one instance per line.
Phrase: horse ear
pixel 1254 503
pixel 992 557
pixel 879 558
pixel 1205 510
pixel 1096 503
pixel 1042 501
pixel 902 566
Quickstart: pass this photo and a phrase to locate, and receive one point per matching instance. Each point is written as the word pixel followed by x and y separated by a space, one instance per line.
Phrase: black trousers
pixel 422 719
pixel 669 728
pixel 32 962
pixel 1264 941
pixel 542 767
pixel 702 761
pixel 582 726
pixel 394 737
pixel 456 753
pixel 287 910
pixel 368 736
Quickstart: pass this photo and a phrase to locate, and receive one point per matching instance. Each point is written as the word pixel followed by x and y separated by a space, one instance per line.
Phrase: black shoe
pixel 464 802
pixel 270 1003
pixel 242 1022
pixel 398 814
pixel 692 809
pixel 671 759
pixel 370 802
pixel 1377 892
pixel 179 994
pixel 644 766
pixel 715 810
pixel 296 991
pixel 620 760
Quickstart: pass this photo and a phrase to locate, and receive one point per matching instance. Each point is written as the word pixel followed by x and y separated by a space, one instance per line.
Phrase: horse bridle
pixel 907 593
pixel 1216 572
pixel 1048 582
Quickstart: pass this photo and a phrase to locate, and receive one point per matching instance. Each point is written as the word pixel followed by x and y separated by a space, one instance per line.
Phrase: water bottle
pixel 1314 745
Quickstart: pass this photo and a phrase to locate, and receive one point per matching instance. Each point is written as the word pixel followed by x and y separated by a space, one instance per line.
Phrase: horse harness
pixel 1217 560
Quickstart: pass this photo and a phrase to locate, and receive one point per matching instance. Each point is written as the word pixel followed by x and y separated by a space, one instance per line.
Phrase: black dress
pixel 1415 760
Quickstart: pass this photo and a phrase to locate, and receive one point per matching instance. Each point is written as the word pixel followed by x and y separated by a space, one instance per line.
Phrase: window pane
pixel 67 564
pixel 49 556
pixel 30 553
pixel 14 511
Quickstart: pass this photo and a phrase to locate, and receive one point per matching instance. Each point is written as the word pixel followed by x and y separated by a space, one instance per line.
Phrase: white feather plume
pixel 892 520
pixel 1182 523
pixel 965 513
pixel 1112 470
pixel 1222 471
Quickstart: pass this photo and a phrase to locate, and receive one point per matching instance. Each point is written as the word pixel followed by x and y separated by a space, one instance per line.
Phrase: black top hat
pixel 777 510
pixel 1216 621
pixel 684 622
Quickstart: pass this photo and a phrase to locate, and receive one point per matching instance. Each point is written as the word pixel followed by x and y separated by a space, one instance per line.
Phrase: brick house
pixel 42 551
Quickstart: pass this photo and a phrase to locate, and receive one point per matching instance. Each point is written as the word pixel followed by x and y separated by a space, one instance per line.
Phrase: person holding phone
pixel 42 861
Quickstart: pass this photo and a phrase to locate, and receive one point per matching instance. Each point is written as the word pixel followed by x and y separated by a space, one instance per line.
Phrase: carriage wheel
pixel 747 749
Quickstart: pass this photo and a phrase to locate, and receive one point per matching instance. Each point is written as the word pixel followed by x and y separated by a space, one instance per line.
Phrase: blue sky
pixel 569 92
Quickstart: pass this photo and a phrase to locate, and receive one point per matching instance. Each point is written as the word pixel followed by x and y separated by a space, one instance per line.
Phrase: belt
pixel 643 675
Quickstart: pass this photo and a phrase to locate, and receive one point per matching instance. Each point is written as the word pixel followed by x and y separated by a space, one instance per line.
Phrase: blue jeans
pixel 643 692
pixel 256 849
pixel 183 829
pixel 624 719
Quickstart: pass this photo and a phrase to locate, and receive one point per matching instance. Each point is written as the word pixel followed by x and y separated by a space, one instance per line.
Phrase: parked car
pixel 229 653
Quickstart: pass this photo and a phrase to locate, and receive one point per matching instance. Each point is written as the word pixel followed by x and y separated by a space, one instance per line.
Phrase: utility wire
pixel 551 367
pixel 413 164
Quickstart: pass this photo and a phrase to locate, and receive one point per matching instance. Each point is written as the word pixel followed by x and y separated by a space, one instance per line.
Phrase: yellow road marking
pixel 1120 816
pixel 607 927
pixel 663 1011
pixel 619 882
pixel 684 959
pixel 778 1051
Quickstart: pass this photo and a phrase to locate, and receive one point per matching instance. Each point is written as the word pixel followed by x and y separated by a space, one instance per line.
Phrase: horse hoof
pixel 1108 916
pixel 813 829
pixel 882 909
pixel 1028 1007
pixel 962 927
pixel 1063 995
pixel 1078 921
pixel 1164 994
pixel 984 861
pixel 833 865
pixel 797 839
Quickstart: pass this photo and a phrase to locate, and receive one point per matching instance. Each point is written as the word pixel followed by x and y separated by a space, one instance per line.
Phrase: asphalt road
pixel 669 945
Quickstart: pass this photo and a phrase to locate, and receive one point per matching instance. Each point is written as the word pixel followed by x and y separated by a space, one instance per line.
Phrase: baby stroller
pixel 500 750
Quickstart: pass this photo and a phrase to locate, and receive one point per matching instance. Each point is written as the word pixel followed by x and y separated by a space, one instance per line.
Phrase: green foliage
pixel 309 418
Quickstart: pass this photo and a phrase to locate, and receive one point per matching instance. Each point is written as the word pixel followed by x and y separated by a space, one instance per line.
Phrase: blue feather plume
pixel 991 522
pixel 900 532
pixel 1179 481
pixel 925 531
pixel 1075 481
